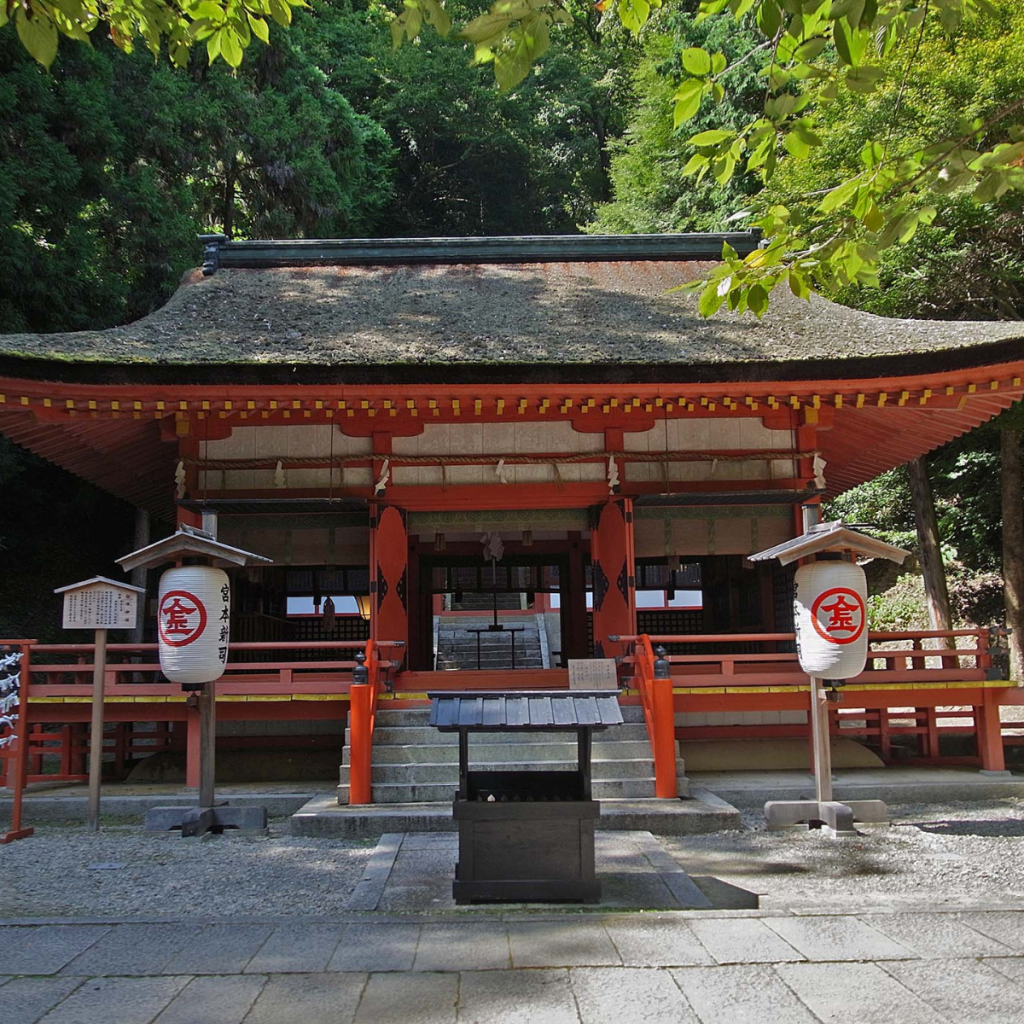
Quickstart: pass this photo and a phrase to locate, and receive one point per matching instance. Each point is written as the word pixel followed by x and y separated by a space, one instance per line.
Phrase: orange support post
pixel 360 723
pixel 664 740
pixel 612 561
pixel 989 730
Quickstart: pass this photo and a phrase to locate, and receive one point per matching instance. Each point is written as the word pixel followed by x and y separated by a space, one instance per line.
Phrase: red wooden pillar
pixel 389 577
pixel 989 730
pixel 611 555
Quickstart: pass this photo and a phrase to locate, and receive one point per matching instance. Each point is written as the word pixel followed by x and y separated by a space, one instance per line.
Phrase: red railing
pixel 780 668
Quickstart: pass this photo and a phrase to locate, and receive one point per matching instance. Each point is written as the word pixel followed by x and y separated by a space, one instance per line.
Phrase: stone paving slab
pixel 743 941
pixel 654 942
pixel 1012 969
pixel 44 950
pixel 741 994
pixel 463 946
pixel 219 949
pixel 856 992
pixel 516 997
pixel 1006 927
pixel 609 995
pixel 296 949
pixel 376 947
pixel 132 949
pixel 124 1000
pixel 836 938
pixel 407 998
pixel 308 998
pixel 567 943
pixel 25 1000
pixel 964 991
pixel 213 1000
pixel 947 935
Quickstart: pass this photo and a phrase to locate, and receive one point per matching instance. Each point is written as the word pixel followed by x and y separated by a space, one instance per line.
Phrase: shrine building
pixel 479 459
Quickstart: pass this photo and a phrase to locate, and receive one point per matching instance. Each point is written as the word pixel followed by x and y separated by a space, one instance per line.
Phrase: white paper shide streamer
pixel 193 623
pixel 10 686
pixel 831 619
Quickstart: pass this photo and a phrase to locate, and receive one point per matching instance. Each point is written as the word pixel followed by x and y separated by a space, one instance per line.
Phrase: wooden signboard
pixel 593 674
pixel 100 603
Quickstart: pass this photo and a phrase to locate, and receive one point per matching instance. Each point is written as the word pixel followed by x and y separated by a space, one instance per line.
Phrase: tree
pixel 809 54
pixel 226 26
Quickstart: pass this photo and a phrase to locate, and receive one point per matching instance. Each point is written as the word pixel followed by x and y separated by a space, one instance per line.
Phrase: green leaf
pixel 806 52
pixel 796 146
pixel 839 196
pixel 696 162
pixel 436 16
pixel 281 13
pixel 696 61
pixel 38 35
pixel 710 138
pixel 718 63
pixel 865 78
pixel 260 29
pixel 687 98
pixel 230 46
pixel 769 18
pixel 634 14
pixel 711 300
pixel 757 300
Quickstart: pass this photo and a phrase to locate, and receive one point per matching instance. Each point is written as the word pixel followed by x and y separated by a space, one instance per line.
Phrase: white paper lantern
pixel 831 619
pixel 193 623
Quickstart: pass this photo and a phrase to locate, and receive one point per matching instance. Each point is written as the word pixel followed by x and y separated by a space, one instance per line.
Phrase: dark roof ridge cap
pixel 269 253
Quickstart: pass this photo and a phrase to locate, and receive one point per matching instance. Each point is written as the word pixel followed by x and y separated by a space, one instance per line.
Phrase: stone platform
pixel 324 817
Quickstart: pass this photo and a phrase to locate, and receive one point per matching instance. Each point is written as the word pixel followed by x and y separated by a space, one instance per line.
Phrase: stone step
pixel 448 773
pixel 427 792
pixel 322 817
pixel 424 735
pixel 421 716
pixel 448 753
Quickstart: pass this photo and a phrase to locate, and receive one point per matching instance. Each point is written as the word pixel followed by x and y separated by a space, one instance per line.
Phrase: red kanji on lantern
pixel 181 618
pixel 844 616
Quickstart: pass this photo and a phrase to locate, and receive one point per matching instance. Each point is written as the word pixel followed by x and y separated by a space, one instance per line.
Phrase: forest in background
pixel 112 163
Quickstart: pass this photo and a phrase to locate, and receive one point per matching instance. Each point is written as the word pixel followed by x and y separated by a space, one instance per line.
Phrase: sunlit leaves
pixel 696 61
pixel 226 27
pixel 409 23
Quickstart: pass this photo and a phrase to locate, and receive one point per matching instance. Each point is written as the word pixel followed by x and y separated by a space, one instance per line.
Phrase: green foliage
pixel 653 188
pixel 226 26
pixel 902 607
pixel 114 164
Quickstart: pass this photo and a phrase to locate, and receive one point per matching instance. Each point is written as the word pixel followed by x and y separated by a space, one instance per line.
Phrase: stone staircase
pixel 414 763
pixel 456 648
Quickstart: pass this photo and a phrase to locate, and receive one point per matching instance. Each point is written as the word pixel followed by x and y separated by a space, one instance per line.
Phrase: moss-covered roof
pixel 491 315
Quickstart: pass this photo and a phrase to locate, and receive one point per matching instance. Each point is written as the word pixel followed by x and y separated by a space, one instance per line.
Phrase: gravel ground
pixel 960 855
pixel 120 872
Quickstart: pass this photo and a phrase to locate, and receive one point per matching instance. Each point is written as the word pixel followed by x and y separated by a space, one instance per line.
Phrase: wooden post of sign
pixel 822 744
pixel 99 665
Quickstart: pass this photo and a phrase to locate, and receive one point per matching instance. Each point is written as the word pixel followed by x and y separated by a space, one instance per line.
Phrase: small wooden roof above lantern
pixel 831 537
pixel 190 542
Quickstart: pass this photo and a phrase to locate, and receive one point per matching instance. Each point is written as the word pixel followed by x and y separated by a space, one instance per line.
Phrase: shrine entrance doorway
pixel 527 610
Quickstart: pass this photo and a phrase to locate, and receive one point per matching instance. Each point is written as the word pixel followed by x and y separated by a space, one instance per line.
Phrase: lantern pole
pixel 99 666
pixel 208 715
pixel 821 741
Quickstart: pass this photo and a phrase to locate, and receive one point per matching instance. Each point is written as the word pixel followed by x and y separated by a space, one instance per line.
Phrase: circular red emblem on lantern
pixel 838 615
pixel 181 618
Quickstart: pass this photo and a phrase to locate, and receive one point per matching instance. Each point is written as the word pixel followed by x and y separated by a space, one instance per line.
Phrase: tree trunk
pixel 934 571
pixel 1013 547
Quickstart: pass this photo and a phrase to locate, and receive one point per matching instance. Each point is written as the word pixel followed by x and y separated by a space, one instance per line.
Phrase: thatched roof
pixel 579 315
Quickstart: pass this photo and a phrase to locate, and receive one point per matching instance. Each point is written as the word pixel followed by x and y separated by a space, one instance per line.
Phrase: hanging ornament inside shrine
pixel 193 623
pixel 831 619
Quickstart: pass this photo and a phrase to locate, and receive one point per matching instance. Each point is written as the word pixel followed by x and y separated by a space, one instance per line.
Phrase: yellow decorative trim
pixel 46 700
pixel 320 696
pixel 258 698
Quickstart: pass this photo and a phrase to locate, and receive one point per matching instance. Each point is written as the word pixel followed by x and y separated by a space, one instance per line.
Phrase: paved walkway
pixel 534 968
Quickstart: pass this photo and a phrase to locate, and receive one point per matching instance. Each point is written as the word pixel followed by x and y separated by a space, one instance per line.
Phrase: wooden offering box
pixel 534 841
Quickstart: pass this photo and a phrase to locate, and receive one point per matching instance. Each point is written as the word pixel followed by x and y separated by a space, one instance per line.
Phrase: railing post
pixel 360 717
pixel 663 739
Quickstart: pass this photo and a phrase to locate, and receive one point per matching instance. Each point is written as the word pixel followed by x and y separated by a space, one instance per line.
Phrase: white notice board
pixel 101 605
pixel 593 674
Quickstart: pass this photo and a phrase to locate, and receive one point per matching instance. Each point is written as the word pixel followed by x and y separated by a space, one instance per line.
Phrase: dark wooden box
pixel 526 850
